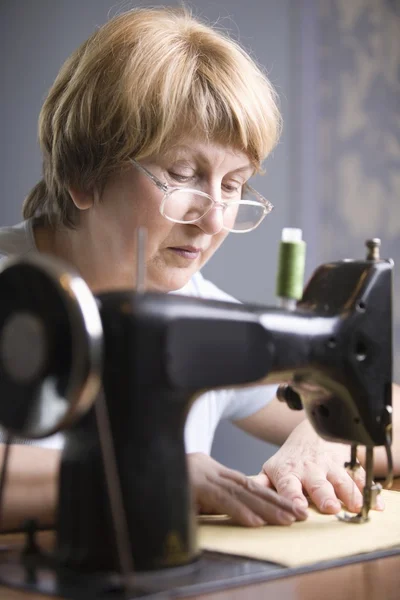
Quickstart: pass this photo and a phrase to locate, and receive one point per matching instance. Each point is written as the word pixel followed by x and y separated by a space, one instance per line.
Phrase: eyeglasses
pixel 185 205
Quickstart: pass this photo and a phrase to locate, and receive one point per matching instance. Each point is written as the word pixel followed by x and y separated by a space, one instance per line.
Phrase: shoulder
pixel 16 240
pixel 200 287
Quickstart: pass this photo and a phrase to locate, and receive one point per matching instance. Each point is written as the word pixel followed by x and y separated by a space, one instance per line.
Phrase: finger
pixel 224 500
pixel 224 496
pixel 268 497
pixel 379 503
pixel 346 488
pixel 289 486
pixel 265 493
pixel 263 503
pixel 359 478
pixel 322 492
pixel 262 479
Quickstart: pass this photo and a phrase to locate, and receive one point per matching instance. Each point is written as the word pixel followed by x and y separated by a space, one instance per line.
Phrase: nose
pixel 213 222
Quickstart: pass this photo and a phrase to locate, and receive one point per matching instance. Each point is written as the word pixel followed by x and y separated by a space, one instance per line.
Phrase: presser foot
pixel 371 489
pixel 362 516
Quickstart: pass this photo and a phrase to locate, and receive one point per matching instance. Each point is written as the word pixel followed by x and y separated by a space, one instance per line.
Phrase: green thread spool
pixel 292 258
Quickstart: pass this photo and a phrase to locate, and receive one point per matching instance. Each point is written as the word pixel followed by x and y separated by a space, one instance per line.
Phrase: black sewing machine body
pixel 160 352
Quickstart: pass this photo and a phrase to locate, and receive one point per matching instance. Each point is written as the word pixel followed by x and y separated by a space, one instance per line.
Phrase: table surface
pixel 377 579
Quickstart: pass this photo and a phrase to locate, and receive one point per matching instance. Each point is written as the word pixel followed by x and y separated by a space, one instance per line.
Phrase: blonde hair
pixel 139 82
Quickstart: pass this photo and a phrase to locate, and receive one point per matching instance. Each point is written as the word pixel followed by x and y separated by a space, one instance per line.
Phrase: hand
pixel 307 464
pixel 220 490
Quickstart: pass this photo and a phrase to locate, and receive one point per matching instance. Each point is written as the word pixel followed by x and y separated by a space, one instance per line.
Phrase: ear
pixel 82 200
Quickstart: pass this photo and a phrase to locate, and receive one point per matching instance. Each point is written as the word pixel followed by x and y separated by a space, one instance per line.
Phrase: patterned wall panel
pixel 358 62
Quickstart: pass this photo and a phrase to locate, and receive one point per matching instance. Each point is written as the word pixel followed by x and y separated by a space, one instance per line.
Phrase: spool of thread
pixel 292 258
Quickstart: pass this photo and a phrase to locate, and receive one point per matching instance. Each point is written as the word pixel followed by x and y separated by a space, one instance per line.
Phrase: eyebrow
pixel 177 153
pixel 248 167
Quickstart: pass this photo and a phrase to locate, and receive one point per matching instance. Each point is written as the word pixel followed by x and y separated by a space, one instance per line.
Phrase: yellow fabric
pixel 319 538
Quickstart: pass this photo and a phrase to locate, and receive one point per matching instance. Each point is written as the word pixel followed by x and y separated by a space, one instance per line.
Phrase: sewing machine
pixel 117 373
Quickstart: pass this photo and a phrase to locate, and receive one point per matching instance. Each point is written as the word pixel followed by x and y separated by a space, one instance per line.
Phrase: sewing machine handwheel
pixel 50 346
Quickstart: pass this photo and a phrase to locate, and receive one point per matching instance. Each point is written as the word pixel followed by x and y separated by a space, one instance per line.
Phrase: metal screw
pixel 373 247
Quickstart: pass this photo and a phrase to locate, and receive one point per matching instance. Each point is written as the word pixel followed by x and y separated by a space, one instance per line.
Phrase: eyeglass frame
pixel 169 190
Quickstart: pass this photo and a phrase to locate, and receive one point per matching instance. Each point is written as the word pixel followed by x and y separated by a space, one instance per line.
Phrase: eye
pixel 180 178
pixel 232 187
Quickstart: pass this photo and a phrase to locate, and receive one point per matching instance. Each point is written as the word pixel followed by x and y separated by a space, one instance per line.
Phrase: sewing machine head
pixel 118 374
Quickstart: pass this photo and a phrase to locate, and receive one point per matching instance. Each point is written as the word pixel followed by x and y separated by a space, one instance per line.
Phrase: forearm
pixel 273 423
pixel 31 486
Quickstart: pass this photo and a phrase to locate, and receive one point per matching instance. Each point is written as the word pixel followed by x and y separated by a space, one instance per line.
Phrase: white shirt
pixel 208 409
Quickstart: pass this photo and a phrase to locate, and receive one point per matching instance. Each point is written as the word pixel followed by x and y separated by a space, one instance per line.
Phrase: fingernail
pixel 258 521
pixel 301 513
pixel 285 517
pixel 299 507
pixel 380 503
pixel 330 506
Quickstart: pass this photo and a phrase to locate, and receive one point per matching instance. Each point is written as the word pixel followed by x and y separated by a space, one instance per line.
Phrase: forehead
pixel 208 153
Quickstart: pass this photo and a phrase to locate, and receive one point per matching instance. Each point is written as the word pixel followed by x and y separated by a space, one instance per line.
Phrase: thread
pixel 291 263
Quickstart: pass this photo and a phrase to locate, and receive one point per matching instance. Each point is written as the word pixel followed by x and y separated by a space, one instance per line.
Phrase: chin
pixel 172 282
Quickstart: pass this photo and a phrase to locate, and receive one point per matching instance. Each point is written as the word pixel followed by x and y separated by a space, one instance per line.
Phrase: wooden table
pixel 377 579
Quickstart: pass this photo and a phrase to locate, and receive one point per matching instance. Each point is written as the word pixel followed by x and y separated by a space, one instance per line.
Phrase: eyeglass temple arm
pixel 162 186
pixel 268 205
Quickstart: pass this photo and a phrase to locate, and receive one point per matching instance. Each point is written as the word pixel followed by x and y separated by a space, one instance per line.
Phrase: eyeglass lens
pixel 187 206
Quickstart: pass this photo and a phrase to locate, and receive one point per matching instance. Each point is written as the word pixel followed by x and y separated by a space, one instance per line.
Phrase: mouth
pixel 189 252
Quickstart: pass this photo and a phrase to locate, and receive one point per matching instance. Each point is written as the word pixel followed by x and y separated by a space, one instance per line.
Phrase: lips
pixel 187 249
pixel 189 252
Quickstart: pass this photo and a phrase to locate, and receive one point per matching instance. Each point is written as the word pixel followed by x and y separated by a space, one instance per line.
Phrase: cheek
pixel 144 211
pixel 159 231
pixel 136 201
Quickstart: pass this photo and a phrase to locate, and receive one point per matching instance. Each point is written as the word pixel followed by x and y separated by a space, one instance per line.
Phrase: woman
pixel 153 103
